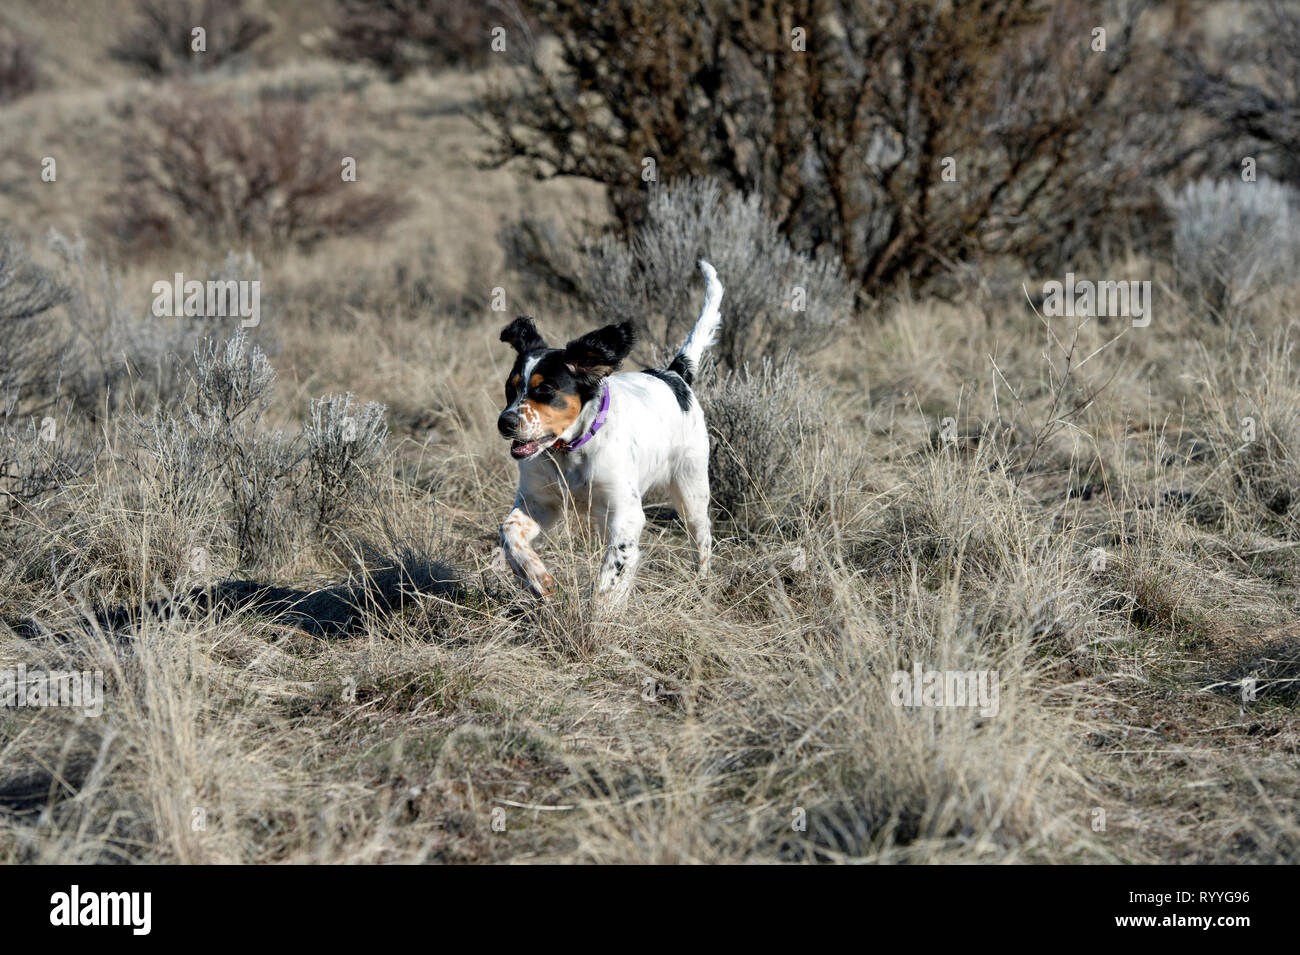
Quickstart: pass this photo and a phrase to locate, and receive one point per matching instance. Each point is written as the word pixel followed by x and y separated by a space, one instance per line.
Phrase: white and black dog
pixel 608 440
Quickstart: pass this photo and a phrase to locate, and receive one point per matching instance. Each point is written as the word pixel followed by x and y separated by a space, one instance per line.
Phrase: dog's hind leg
pixel 518 531
pixel 689 491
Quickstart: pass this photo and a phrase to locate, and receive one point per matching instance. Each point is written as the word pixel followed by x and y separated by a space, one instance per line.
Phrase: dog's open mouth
pixel 526 449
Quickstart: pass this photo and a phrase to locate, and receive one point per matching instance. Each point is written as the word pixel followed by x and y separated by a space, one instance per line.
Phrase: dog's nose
pixel 508 424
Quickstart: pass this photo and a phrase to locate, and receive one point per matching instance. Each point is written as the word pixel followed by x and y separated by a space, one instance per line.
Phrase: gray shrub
pixel 269 482
pixel 119 357
pixel 232 380
pixel 233 387
pixel 761 425
pixel 1233 240
pixel 37 460
pixel 344 442
pixel 37 455
pixel 778 301
pixel 185 474
pixel 33 350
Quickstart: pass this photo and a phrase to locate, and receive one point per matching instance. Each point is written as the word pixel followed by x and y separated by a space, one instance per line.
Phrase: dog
pixel 607 440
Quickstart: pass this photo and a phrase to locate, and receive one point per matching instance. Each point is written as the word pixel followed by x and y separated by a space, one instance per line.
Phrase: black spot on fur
pixel 681 365
pixel 675 381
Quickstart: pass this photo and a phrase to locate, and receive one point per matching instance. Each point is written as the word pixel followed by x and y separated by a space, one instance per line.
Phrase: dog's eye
pixel 543 391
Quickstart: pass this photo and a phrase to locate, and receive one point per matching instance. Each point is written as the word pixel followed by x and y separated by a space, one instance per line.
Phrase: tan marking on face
pixel 530 422
pixel 549 419
pixel 514 382
pixel 534 381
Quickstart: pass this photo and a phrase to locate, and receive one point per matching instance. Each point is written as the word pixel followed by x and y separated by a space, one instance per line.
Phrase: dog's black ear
pixel 522 334
pixel 599 353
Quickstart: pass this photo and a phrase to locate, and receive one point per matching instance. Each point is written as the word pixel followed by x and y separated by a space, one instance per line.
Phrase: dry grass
pixel 383 693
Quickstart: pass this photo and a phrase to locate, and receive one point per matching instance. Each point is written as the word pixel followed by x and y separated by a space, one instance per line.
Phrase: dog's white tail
pixel 705 332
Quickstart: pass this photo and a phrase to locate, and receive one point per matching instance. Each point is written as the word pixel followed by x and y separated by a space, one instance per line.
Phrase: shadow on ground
pixel 330 612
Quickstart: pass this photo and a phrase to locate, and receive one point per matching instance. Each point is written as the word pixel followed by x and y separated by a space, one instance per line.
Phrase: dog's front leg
pixel 624 520
pixel 518 531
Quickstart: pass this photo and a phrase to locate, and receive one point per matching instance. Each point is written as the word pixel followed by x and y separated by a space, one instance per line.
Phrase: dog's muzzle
pixel 520 448
pixel 508 423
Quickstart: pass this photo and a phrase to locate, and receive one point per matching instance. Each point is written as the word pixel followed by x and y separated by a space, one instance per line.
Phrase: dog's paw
pixel 543 587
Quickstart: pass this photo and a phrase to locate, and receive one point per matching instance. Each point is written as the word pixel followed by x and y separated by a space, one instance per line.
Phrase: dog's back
pixel 656 426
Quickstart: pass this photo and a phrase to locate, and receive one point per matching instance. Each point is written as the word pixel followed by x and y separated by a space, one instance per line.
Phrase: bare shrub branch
pixel 1051 143
pixel 198 165
pixel 160 41
pixel 18 73
pixel 400 36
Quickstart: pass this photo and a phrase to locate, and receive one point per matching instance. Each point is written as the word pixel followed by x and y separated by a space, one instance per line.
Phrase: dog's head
pixel 547 387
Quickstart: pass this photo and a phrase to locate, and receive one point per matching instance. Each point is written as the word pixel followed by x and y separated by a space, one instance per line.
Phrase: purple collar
pixel 591 432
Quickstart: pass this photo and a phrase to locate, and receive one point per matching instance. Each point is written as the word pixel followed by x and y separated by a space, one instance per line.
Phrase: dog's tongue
pixel 521 449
